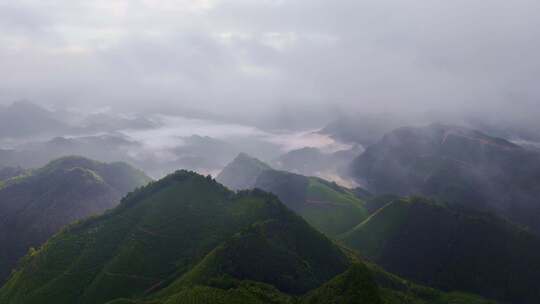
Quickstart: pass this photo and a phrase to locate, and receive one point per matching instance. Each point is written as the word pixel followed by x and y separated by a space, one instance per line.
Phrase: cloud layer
pixel 242 56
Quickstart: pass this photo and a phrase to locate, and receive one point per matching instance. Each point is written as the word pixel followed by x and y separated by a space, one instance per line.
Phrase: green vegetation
pixel 330 208
pixel 187 239
pixel 293 265
pixel 37 204
pixel 157 233
pixel 375 203
pixel 327 206
pixel 355 285
pixel 452 250
pixel 372 242
pixel 119 175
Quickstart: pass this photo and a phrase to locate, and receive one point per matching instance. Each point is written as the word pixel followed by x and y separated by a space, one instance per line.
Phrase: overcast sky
pixel 245 56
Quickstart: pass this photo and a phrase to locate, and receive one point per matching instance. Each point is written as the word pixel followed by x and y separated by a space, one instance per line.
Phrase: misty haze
pixel 285 152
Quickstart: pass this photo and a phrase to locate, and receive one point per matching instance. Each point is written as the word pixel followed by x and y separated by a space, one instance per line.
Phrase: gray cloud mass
pixel 241 57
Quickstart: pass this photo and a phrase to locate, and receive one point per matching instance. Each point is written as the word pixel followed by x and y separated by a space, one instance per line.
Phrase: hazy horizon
pixel 161 83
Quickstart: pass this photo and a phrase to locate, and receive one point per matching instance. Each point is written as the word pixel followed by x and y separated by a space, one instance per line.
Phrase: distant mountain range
pixel 313 162
pixel 187 239
pixel 195 152
pixel 457 165
pixel 361 128
pixel 38 203
pixel 39 153
pixel 443 214
pixel 25 119
pixel 32 135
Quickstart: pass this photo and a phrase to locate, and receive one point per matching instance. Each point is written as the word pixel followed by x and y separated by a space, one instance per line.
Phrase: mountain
pixel 108 122
pixel 203 152
pixel 9 172
pixel 456 165
pixel 361 128
pixel 28 120
pixel 302 160
pixel 325 205
pixel 313 162
pixel 159 233
pixel 24 119
pixel 194 152
pixel 36 154
pixel 187 239
pixel 39 203
pixel 101 147
pixel 451 249
pixel 242 172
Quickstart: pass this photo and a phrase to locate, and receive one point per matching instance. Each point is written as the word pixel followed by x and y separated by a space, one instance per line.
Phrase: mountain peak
pixel 36 205
pixel 244 157
pixel 242 172
pixel 71 161
pixel 171 225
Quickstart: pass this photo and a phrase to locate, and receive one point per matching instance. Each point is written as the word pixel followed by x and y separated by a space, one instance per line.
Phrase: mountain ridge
pixel 434 244
pixel 327 206
pixel 457 165
pixel 39 203
pixel 188 239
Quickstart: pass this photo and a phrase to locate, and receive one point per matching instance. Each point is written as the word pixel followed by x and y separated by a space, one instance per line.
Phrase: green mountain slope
pixel 271 252
pixel 360 283
pixel 356 285
pixel 187 239
pixel 326 206
pixel 121 176
pixel 39 203
pixel 156 233
pixel 451 250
